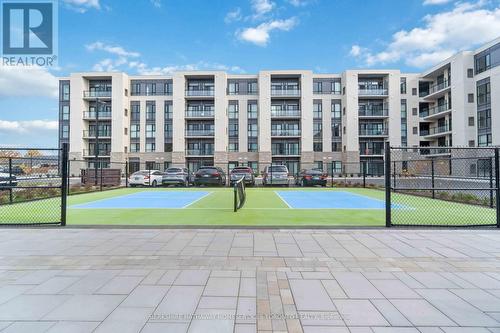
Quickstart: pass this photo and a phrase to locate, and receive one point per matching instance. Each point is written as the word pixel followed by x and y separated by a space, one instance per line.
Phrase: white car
pixel 7 180
pixel 151 178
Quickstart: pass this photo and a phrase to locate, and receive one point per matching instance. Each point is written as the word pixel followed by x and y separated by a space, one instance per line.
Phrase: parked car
pixel 238 172
pixel 210 175
pixel 7 180
pixel 275 175
pixel 311 177
pixel 176 176
pixel 151 178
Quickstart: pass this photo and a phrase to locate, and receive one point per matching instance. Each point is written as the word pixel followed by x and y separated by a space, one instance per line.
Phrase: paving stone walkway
pixel 311 281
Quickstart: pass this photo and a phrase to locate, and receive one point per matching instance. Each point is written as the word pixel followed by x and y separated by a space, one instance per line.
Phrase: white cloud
pixel 299 3
pixel 156 3
pixel 28 126
pixel 82 6
pixel 465 26
pixel 262 7
pixel 24 81
pixel 233 16
pixel 144 69
pixel 436 2
pixel 260 35
pixel 112 49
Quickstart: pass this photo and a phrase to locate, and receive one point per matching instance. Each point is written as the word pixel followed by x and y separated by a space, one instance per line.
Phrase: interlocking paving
pixel 311 281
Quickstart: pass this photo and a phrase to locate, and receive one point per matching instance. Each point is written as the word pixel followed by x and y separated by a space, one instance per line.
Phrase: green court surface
pixel 264 207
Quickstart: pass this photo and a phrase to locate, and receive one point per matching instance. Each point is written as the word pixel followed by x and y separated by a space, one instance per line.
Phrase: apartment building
pixel 297 118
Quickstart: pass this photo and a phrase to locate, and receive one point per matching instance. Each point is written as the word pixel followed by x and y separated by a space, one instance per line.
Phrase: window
pixel 470 73
pixel 484 119
pixel 168 88
pixel 150 131
pixel 337 167
pixel 318 146
pixel 150 89
pixel 233 147
pixel 484 140
pixel 317 110
pixel 233 110
pixel 483 93
pixel 252 88
pixel 252 110
pixel 336 146
pixel 403 85
pixel 125 112
pixel 136 89
pixel 336 112
pixel 335 130
pixel 150 147
pixel 65 92
pixel 317 87
pixel 415 130
pixel 472 143
pixel 168 147
pixel 252 130
pixel 470 98
pixel 336 87
pixel 126 92
pixel 135 131
pixel 134 147
pixel 471 121
pixel 414 91
pixel 233 88
pixel 414 111
pixel 168 110
pixel 125 131
pixel 253 147
pixel 317 130
pixel 65 112
pixel 233 130
pixel 169 130
pixel 483 62
pixel 65 131
pixel 150 111
pixel 136 112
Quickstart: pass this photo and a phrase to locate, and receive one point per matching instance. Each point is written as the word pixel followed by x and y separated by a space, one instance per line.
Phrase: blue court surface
pixel 328 200
pixel 147 200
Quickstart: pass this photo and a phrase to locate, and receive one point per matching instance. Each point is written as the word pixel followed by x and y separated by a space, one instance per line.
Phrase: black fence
pixel 442 186
pixel 32 186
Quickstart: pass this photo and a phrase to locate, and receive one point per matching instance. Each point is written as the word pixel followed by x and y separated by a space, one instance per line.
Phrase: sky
pixel 238 36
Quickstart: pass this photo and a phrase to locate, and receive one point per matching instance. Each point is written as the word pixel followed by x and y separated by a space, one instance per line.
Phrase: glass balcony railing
pixel 96 93
pixel 435 110
pixel 92 134
pixel 199 152
pixel 91 152
pixel 286 152
pixel 93 114
pixel 373 112
pixel 200 92
pixel 282 132
pixel 373 91
pixel 191 132
pixel 373 132
pixel 286 113
pixel 439 130
pixel 435 151
pixel 424 132
pixel 151 93
pixel 193 113
pixel 285 92
pixel 370 152
pixel 435 88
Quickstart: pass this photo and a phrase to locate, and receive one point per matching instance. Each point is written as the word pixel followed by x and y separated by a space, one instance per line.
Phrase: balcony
pixel 285 92
pixel 374 132
pixel 291 113
pixel 193 113
pixel 151 93
pixel 373 91
pixel 199 152
pixel 373 112
pixel 439 131
pixel 102 134
pixel 371 152
pixel 97 94
pixel 284 132
pixel 435 151
pixel 200 133
pixel 435 112
pixel 200 92
pixel 436 90
pixel 285 152
pixel 92 115
pixel 91 153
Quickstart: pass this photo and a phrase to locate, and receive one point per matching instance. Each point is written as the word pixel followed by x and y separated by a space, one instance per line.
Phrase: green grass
pixel 263 208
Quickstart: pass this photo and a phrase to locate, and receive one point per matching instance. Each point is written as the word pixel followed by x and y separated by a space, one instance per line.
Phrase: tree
pixel 33 153
pixel 9 154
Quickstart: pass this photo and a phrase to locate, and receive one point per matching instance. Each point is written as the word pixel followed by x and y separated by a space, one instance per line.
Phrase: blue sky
pixel 240 36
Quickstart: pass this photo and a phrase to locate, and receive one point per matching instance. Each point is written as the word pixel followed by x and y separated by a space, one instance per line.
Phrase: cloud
pixel 112 49
pixel 82 6
pixel 465 26
pixel 300 3
pixel 233 16
pixel 260 35
pixel 436 2
pixel 28 126
pixel 26 81
pixel 144 69
pixel 156 3
pixel 262 7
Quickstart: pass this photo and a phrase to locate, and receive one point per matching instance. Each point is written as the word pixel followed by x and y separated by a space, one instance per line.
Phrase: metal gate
pixel 442 186
pixel 33 186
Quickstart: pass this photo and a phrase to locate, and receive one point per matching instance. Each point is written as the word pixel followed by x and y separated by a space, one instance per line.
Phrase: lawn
pixel 264 207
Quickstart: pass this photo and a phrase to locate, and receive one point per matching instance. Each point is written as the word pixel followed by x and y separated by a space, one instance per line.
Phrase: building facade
pixel 297 118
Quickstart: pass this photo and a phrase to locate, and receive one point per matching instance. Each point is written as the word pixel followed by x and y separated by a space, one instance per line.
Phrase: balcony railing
pixel 424 132
pixel 292 132
pixel 435 110
pixel 286 152
pixel 435 151
pixel 151 93
pixel 285 113
pixel 373 112
pixel 439 129
pixel 93 115
pixel 92 134
pixel 435 88
pixel 373 91
pixel 200 92
pixel 285 92
pixel 200 132
pixel 373 132
pixel 200 113
pixel 199 152
pixel 96 93
pixel 102 152
pixel 370 152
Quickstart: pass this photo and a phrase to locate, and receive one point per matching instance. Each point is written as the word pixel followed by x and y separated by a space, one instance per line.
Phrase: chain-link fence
pixel 32 190
pixel 443 186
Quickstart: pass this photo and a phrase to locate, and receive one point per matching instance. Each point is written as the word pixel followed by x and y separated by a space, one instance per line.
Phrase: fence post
pixel 64 183
pixel 363 165
pixel 388 221
pixel 100 176
pixel 433 179
pixel 331 174
pixel 497 183
pixel 126 173
pixel 394 175
pixel 491 184
pixel 10 180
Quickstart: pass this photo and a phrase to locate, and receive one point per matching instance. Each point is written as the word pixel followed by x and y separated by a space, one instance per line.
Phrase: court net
pixel 239 194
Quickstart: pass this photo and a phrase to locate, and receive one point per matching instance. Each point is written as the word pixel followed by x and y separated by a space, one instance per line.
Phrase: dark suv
pixel 210 175
pixel 239 172
pixel 311 177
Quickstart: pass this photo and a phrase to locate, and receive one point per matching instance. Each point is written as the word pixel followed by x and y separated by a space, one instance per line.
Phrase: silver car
pixel 275 175
pixel 176 176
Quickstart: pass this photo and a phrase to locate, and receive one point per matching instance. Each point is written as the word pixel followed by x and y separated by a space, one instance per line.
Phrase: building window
pixel 252 112
pixel 168 110
pixel 233 88
pixel 484 140
pixel 317 110
pixel 317 130
pixel 65 131
pixel 168 147
pixel 168 88
pixel 336 146
pixel 253 147
pixel 483 93
pixel 403 85
pixel 136 89
pixel 135 147
pixel 65 112
pixel 150 147
pixel 317 87
pixel 336 130
pixel 233 130
pixel 135 114
pixel 414 111
pixel 65 92
pixel 414 91
pixel 470 73
pixel 336 110
pixel 336 167
pixel 125 131
pixel 150 111
pixel 150 131
pixel 472 143
pixel 252 88
pixel 336 87
pixel 318 146
pixel 470 98
pixel 169 130
pixel 233 110
pixel 233 147
pixel 252 130
pixel 471 121
pixel 135 131
pixel 415 130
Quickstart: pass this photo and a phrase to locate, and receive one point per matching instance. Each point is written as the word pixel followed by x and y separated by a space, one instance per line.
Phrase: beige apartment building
pixel 293 117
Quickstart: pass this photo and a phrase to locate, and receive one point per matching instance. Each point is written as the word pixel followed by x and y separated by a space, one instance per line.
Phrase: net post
pixel 235 202
pixel 388 222
pixel 126 173
pixel 491 183
pixel 100 176
pixel 10 180
pixel 64 183
pixel 497 183
pixel 433 179
pixel 363 165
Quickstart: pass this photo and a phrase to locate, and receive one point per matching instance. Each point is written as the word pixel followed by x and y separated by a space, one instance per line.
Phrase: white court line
pixel 283 200
pixel 189 204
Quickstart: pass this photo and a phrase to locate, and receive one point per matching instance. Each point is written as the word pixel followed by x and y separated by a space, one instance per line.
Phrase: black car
pixel 311 177
pixel 210 175
pixel 242 172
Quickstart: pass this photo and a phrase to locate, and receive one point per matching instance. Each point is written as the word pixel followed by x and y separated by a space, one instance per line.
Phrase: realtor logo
pixel 29 32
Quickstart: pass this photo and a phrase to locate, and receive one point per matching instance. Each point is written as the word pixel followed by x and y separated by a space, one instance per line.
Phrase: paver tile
pixel 310 295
